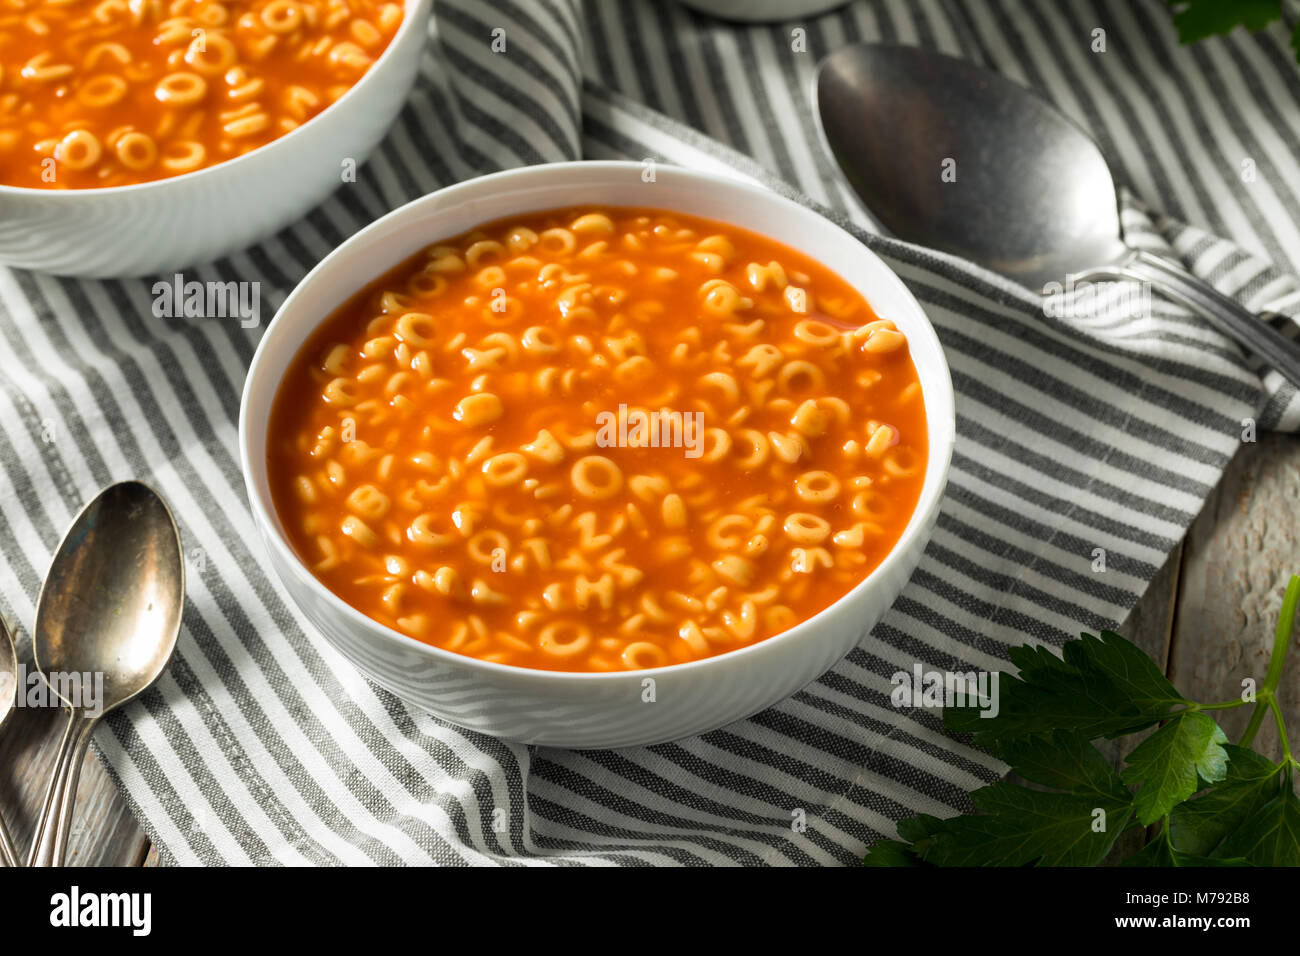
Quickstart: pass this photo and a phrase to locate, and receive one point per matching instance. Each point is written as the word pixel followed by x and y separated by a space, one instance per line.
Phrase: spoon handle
pixel 1225 314
pixel 51 840
pixel 8 855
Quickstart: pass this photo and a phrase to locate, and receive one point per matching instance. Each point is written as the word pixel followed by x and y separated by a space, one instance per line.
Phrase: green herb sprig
pixel 1216 803
pixel 1198 19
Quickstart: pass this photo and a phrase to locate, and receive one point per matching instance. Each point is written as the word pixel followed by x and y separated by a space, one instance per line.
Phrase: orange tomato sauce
pixel 97 93
pixel 598 440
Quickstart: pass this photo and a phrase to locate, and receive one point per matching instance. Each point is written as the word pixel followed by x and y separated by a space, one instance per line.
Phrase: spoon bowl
pixel 956 150
pixel 949 155
pixel 107 620
pixel 109 603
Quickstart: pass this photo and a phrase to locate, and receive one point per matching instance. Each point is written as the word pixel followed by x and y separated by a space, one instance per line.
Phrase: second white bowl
pixel 158 227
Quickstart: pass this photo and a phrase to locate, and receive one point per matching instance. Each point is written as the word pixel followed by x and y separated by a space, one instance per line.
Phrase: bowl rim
pixel 927 506
pixel 227 166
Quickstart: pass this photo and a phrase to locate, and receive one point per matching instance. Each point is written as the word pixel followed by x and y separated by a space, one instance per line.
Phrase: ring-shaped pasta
pixel 504 310
pixel 136 151
pixel 901 462
pixel 484 546
pixel 426 284
pixel 79 150
pixel 758 450
pixel 102 90
pixel 505 470
pixel 869 504
pixel 393 302
pixel 816 333
pixel 563 639
pixel 212 53
pixel 281 16
pixel 484 249
pixel 211 14
pixel 804 528
pixel 417 329
pixel 492 277
pixel 421 531
pixel 341 392
pixel 595 476
pixel 540 340
pixel 557 242
pixel 642 654
pixel 520 239
pixel 817 487
pixel 182 156
pixel 180 89
pixel 799 377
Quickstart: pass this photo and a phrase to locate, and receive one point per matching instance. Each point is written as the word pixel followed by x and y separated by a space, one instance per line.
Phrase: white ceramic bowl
pixel 587 710
pixel 159 227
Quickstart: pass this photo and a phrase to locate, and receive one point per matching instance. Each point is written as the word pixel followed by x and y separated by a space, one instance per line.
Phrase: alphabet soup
pixel 99 93
pixel 599 440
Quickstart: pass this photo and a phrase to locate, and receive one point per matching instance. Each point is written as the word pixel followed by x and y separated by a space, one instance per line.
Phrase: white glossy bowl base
pixel 572 709
pixel 160 227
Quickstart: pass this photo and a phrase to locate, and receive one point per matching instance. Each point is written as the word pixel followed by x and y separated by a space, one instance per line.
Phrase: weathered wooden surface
pixel 1219 611
pixel 1208 618
pixel 1237 559
pixel 1149 626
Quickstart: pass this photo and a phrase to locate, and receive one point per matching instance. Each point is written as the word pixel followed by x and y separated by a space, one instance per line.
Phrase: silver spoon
pixel 110 606
pixel 8 700
pixel 1028 193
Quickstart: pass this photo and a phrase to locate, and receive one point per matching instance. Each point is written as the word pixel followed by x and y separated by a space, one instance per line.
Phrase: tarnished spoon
pixel 8 700
pixel 111 605
pixel 947 154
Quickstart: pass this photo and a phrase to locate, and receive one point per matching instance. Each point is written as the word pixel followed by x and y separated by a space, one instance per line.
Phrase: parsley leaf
pixel 1076 825
pixel 1198 19
pixel 1167 765
pixel 1019 826
pixel 1200 825
pixel 1271 837
pixel 1220 804
pixel 893 853
pixel 1160 852
pixel 1101 687
pixel 1064 761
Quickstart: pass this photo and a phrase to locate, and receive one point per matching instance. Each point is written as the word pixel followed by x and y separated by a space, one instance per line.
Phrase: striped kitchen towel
pixel 1082 423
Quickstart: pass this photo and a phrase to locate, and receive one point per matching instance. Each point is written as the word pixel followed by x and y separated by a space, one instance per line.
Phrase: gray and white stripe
pixel 263 746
